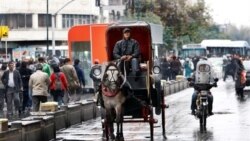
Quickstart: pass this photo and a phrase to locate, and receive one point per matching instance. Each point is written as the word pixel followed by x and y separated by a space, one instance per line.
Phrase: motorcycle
pixel 202 101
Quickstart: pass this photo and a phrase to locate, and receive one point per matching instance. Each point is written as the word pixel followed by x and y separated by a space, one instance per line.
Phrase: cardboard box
pixel 49 107
pixel 3 124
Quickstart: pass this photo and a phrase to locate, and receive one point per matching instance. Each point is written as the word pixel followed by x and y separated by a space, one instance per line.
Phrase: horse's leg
pixel 121 130
pixel 119 118
pixel 110 125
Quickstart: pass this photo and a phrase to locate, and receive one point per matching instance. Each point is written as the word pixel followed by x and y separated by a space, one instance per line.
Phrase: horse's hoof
pixel 112 137
pixel 119 138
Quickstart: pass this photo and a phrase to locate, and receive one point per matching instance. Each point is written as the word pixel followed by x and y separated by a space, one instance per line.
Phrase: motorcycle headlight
pixel 97 72
pixel 156 69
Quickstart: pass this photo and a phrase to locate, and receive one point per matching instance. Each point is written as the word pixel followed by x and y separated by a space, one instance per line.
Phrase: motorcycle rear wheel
pixel 203 121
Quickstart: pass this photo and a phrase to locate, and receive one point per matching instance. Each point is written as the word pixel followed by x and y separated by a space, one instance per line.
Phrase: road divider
pixel 173 86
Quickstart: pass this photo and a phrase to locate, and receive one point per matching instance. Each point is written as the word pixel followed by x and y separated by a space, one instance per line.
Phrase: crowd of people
pixel 28 83
pixel 172 66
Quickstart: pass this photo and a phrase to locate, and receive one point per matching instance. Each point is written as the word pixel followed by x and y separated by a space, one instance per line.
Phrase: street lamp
pixel 53 26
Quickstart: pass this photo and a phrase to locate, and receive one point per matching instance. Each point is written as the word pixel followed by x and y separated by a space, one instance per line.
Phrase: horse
pixel 114 99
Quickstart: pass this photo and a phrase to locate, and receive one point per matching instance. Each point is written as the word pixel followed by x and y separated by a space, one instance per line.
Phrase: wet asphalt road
pixel 230 122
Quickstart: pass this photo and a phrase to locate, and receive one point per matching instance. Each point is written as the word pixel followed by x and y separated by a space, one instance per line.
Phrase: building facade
pixel 27 21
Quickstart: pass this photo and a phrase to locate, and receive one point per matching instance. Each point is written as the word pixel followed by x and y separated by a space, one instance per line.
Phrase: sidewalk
pixel 85 96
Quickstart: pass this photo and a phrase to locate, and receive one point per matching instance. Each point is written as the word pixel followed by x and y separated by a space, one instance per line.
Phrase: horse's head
pixel 112 77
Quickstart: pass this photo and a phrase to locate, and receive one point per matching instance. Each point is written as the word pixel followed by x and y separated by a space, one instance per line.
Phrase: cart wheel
pixel 163 121
pixel 151 124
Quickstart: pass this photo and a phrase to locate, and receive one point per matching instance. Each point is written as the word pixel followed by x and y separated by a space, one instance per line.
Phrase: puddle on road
pixel 223 113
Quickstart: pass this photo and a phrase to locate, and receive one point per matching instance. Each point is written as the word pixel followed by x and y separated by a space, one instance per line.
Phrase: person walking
pixel 188 67
pixel 72 79
pixel 46 67
pixel 25 73
pixel 58 85
pixel 165 66
pixel 81 77
pixel 2 90
pixel 39 83
pixel 13 85
pixel 175 66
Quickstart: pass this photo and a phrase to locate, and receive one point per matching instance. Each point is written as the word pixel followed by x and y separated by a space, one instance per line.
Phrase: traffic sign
pixel 4 31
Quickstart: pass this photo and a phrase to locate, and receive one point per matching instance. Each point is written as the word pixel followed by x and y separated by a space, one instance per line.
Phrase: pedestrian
pixel 46 67
pixel 58 85
pixel 2 90
pixel 175 66
pixel 165 67
pixel 39 83
pixel 72 79
pixel 80 75
pixel 25 73
pixel 13 85
pixel 188 67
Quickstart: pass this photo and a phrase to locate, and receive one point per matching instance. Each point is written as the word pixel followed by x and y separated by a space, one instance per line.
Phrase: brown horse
pixel 114 99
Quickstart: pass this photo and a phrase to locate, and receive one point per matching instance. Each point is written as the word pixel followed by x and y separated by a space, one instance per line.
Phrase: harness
pixel 107 92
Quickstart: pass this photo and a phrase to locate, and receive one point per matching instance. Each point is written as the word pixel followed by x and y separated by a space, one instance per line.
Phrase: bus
pixel 219 48
pixel 87 43
pixel 193 50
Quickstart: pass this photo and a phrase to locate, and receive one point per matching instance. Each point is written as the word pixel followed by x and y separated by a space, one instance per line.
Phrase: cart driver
pixel 128 51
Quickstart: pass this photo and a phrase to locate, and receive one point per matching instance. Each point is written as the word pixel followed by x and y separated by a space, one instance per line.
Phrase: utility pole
pixel 53 26
pixel 47 26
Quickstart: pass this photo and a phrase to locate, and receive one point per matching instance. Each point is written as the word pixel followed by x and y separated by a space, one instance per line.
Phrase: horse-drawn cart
pixel 146 93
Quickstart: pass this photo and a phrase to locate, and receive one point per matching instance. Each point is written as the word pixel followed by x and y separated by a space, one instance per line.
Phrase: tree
pixel 189 22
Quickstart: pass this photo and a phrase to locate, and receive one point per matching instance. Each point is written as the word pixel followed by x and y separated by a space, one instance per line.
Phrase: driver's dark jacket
pixel 126 47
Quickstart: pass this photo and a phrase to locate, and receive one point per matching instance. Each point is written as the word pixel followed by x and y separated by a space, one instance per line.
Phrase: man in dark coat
pixel 81 78
pixel 13 85
pixel 127 49
pixel 25 73
pixel 165 67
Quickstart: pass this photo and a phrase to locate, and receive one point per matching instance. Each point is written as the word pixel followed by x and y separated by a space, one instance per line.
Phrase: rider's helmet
pixel 204 73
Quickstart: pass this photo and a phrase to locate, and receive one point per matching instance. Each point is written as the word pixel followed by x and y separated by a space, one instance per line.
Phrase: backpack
pixel 58 82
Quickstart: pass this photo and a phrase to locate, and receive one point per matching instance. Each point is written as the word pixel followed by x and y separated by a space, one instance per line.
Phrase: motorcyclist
pixel 203 79
pixel 239 75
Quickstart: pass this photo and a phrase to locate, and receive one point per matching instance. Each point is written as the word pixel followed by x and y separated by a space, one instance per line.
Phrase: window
pixel 42 20
pixel 82 51
pixel 16 21
pixel 69 20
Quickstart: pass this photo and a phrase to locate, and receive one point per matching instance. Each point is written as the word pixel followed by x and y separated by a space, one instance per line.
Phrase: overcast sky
pixel 230 11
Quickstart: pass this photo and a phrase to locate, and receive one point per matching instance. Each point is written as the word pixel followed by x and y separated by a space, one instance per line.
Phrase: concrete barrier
pixel 60 119
pixel 177 86
pixel 47 125
pixel 30 130
pixel 166 87
pixel 172 86
pixel 88 110
pixel 11 135
pixel 73 114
